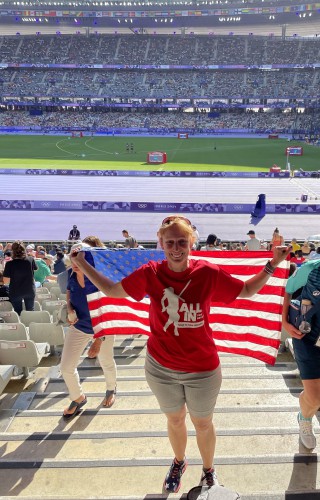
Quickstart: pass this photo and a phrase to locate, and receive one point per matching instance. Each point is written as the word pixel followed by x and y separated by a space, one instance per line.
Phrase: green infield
pixel 130 153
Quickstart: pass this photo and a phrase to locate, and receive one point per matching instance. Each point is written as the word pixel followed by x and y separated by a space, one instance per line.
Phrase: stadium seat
pixel 42 290
pixel 13 331
pixel 24 354
pixel 10 316
pixel 37 306
pixel 51 284
pixel 6 372
pixel 28 317
pixel 45 296
pixel 5 305
pixel 52 305
pixel 47 332
pixel 55 292
pixel 59 321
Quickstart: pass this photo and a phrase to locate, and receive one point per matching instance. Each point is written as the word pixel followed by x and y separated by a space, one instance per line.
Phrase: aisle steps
pixel 123 453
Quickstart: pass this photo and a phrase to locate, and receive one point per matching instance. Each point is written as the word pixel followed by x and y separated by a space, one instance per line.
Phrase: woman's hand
pixel 292 330
pixel 280 254
pixel 77 256
pixel 94 348
pixel 72 317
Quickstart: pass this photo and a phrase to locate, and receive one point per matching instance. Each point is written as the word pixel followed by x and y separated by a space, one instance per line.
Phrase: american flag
pixel 250 327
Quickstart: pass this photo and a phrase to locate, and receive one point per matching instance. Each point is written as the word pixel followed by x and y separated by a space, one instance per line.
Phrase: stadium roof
pixel 277 17
pixel 132 3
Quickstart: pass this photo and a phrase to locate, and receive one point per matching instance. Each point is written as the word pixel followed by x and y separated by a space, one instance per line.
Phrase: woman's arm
pixel 292 330
pixel 254 284
pixel 103 283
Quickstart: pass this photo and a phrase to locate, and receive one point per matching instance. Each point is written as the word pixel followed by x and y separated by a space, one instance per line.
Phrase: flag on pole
pixel 250 327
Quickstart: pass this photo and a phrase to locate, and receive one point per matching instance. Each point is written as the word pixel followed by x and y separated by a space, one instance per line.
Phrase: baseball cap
pixel 41 252
pixel 251 232
pixel 211 239
pixel 30 247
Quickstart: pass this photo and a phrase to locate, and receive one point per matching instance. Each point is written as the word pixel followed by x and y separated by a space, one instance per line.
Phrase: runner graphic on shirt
pixel 170 304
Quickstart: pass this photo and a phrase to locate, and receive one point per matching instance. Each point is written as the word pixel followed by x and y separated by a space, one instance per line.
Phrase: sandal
pixel 110 396
pixel 77 406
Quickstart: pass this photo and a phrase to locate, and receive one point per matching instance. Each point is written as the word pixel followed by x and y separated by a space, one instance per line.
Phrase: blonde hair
pixel 182 224
pixel 93 241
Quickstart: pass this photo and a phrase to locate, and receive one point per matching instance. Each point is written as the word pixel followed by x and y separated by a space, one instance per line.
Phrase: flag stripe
pixel 250 327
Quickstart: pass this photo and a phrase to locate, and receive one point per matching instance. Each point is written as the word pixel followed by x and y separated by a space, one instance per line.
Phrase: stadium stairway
pixel 123 452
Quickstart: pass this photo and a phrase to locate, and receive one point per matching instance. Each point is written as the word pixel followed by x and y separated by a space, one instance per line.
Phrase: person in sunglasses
pixel 182 364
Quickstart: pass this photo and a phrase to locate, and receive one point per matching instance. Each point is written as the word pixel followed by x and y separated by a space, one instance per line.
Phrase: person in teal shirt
pixel 300 276
pixel 306 347
pixel 42 272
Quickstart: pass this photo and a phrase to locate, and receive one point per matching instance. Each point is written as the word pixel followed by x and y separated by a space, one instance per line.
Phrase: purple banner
pixel 211 67
pixel 121 206
pixel 152 173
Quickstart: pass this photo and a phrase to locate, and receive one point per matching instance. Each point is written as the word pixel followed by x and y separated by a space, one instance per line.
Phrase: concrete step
pixel 96 383
pixel 112 420
pixel 92 367
pixel 123 453
pixel 143 478
pixel 145 400
pixel 120 445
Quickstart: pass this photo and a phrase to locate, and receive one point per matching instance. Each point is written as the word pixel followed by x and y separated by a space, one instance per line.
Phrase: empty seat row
pixel 23 354
pixel 38 332
pixel 48 306
pixel 37 341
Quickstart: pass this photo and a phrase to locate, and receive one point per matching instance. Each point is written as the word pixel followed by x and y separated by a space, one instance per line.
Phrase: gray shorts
pixel 173 389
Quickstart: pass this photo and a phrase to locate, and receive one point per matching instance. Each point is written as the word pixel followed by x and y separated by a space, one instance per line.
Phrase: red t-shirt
pixel 181 337
pixel 298 261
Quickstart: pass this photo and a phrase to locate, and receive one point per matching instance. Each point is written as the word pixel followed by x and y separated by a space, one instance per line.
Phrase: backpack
pixel 297 318
pixel 216 492
pixel 310 291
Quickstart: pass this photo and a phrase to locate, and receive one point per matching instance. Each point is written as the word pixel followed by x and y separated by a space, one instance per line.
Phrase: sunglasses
pixel 169 219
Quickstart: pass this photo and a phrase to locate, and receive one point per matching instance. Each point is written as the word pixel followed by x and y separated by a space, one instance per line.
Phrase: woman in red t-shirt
pixel 182 363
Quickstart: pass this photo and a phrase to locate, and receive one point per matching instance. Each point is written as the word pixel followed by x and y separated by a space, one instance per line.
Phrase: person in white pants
pixel 77 338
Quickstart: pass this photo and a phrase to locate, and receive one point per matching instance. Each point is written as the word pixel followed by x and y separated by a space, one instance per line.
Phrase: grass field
pixel 100 153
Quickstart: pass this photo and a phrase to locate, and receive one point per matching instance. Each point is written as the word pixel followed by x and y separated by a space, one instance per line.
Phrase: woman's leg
pixel 16 304
pixel 29 303
pixel 74 345
pixel 109 368
pixel 206 439
pixel 177 432
pixel 202 391
pixel 310 397
pixel 309 403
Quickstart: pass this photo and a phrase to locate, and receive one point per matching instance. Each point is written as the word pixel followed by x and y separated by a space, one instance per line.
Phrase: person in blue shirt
pixel 59 265
pixel 78 335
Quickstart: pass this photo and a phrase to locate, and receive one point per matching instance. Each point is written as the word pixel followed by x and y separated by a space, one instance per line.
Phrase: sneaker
pixel 172 480
pixel 307 437
pixel 209 478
